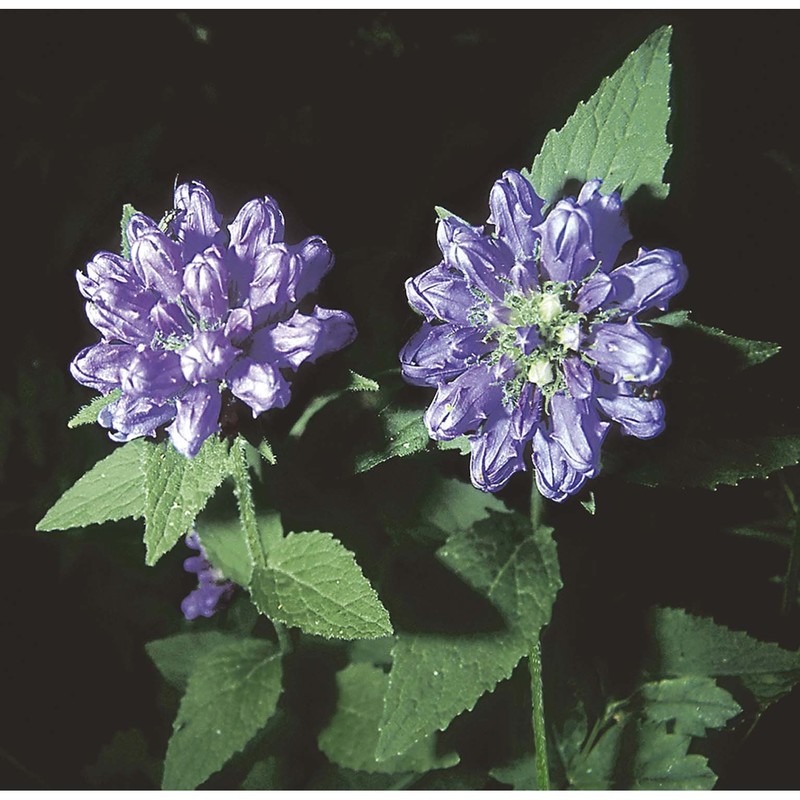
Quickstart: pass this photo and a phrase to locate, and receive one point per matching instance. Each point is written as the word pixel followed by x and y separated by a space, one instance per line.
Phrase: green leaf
pixel 688 645
pixel 521 774
pixel 264 776
pixel 352 734
pixel 176 656
pixel 405 433
pixel 694 703
pixel 736 352
pixel 640 755
pixel 619 134
pixel 231 694
pixel 312 582
pixel 590 504
pixel 358 383
pixel 265 451
pixel 87 414
pixel 112 489
pixel 127 212
pixel 516 571
pixel 225 544
pixel 177 489
pixel 694 462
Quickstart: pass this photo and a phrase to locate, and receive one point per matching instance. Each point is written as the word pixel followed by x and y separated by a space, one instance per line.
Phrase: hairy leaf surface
pixel 619 134
pixel 177 489
pixel 313 582
pixel 231 694
pixel 112 489
pixel 351 737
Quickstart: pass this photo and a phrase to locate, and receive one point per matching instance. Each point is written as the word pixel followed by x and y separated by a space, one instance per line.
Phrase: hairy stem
pixel 247 513
pixel 539 736
pixel 535 664
pixel 793 567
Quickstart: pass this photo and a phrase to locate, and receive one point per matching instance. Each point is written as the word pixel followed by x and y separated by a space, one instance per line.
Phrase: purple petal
pixel 593 292
pixel 567 252
pixel 205 281
pixel 275 271
pixel 207 357
pixel 648 282
pixel 460 406
pixel 441 293
pixel 303 337
pixel 99 366
pixel 578 375
pixel 576 426
pixel 485 261
pixel 140 225
pixel 528 339
pixel 316 260
pixel 157 261
pixel 496 454
pixel 258 224
pixel 155 374
pixel 555 477
pixel 628 353
pixel 609 227
pixel 170 320
pixel 206 600
pixel 527 412
pixel 197 418
pixel 122 311
pixel 132 417
pixel 637 416
pixel 239 325
pixel 110 266
pixel 261 386
pixel 198 226
pixel 516 210
pixel 436 353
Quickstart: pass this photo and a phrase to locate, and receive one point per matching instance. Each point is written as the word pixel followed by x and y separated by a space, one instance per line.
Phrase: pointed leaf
pixel 176 656
pixel 688 645
pixel 694 703
pixel 312 582
pixel 619 134
pixel 177 489
pixel 225 544
pixel 231 694
pixel 112 489
pixel 445 675
pixel 87 414
pixel 352 734
pixel 734 352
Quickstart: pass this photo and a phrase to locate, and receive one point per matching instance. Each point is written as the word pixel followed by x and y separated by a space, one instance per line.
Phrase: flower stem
pixel 793 567
pixel 539 736
pixel 535 665
pixel 247 513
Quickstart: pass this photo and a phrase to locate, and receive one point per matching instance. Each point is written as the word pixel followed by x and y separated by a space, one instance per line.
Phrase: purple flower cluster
pixel 195 312
pixel 531 335
pixel 213 592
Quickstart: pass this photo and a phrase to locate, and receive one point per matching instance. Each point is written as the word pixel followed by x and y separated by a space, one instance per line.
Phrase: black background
pixel 358 123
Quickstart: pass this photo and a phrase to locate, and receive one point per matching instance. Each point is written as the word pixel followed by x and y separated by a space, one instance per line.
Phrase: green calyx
pixel 548 315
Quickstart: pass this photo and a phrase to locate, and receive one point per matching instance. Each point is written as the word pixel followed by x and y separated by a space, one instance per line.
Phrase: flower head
pixel 530 335
pixel 213 592
pixel 197 316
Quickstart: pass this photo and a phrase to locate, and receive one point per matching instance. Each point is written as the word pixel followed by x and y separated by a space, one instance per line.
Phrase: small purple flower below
pixel 531 336
pixel 213 592
pixel 196 315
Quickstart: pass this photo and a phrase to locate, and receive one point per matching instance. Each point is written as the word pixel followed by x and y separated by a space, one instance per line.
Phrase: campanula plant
pixel 548 343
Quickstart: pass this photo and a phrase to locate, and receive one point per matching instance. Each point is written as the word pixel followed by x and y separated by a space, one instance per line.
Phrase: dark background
pixel 358 123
